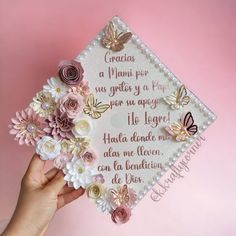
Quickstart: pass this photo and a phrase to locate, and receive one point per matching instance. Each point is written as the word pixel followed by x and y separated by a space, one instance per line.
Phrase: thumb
pixel 57 183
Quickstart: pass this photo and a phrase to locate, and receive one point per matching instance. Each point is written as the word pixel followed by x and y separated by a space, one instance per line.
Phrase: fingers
pixel 56 184
pixel 51 173
pixel 36 164
pixel 66 189
pixel 69 197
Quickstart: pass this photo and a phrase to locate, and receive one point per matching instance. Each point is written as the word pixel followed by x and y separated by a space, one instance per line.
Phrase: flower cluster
pixel 59 123
pixel 56 124
pixel 117 202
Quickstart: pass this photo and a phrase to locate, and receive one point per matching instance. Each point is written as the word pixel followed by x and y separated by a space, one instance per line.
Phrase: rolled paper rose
pixel 72 104
pixel 89 156
pixel 95 190
pixel 70 72
pixel 121 214
pixel 83 127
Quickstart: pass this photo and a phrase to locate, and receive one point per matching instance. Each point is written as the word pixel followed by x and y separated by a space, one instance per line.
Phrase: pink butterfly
pixel 183 129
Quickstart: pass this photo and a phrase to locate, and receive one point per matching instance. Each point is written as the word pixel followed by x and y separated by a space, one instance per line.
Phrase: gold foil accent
pixel 178 99
pixel 114 41
pixel 94 108
pixel 120 195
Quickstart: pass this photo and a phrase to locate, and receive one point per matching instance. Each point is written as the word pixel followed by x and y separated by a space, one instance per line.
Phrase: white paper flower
pixel 83 127
pixel 56 88
pixel 48 148
pixel 103 205
pixel 77 174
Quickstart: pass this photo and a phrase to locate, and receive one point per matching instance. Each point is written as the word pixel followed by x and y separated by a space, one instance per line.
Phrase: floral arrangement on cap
pixel 59 122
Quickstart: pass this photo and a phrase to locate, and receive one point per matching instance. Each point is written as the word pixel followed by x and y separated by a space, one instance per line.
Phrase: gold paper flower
pixel 95 190
pixel 43 104
pixel 77 145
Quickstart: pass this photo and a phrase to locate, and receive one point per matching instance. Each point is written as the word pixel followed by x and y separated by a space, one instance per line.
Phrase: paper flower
pixel 132 197
pixel 59 125
pixel 82 88
pixel 121 214
pixel 99 178
pixel 77 174
pixel 89 156
pixel 95 190
pixel 103 204
pixel 83 126
pixel 56 88
pixel 43 104
pixel 27 127
pixel 77 145
pixel 70 72
pixel 61 160
pixel 48 148
pixel 65 146
pixel 72 104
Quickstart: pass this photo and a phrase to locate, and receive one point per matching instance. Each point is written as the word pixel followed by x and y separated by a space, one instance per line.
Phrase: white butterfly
pixel 94 108
pixel 178 99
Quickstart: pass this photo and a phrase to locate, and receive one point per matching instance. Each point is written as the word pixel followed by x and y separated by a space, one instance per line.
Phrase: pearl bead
pixel 31 128
pixel 45 106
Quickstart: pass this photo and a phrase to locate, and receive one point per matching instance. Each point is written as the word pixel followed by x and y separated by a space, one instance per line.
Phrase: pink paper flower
pixel 61 160
pixel 99 178
pixel 89 157
pixel 121 214
pixel 59 126
pixel 82 88
pixel 132 197
pixel 27 127
pixel 72 104
pixel 71 72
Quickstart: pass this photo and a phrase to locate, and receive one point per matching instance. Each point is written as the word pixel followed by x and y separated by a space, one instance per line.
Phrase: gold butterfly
pixel 183 129
pixel 94 108
pixel 178 99
pixel 121 195
pixel 114 41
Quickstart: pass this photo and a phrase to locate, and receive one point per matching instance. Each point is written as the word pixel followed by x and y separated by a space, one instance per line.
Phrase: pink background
pixel 196 39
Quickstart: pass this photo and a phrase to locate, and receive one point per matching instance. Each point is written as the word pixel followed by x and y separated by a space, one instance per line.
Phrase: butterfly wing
pixel 121 39
pixel 99 109
pixel 174 129
pixel 93 108
pixel 181 137
pixel 110 35
pixel 182 97
pixel 124 37
pixel 89 104
pixel 185 100
pixel 188 122
pixel 192 130
pixel 171 100
pixel 125 193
